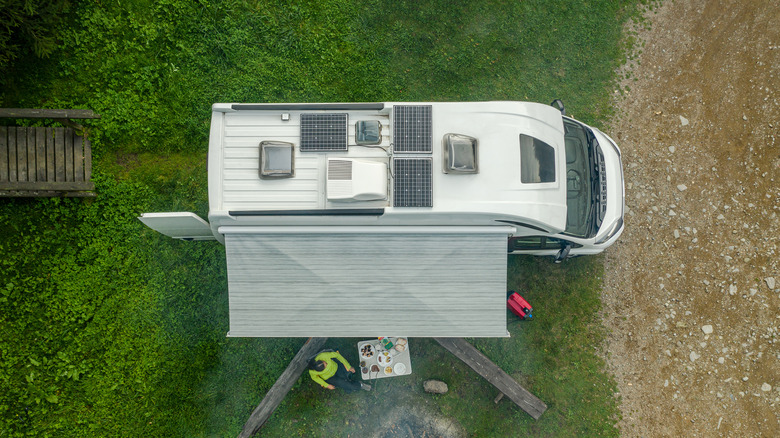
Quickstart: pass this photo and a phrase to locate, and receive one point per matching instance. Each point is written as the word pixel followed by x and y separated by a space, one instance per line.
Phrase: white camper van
pixel 393 204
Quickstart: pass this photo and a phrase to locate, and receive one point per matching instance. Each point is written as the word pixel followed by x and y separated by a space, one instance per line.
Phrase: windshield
pixel 580 193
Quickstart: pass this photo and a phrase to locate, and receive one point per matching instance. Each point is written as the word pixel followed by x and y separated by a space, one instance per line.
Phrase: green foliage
pixel 110 329
pixel 28 27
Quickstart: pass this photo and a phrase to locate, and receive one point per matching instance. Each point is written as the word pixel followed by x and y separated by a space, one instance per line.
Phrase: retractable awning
pixel 367 281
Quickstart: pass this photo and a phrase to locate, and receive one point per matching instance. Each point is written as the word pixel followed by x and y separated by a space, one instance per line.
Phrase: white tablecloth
pixel 398 357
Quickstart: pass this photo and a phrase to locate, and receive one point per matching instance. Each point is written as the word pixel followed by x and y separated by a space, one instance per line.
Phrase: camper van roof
pixel 403 175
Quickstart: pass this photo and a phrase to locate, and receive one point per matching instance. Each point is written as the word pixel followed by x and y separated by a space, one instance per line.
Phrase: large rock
pixel 435 387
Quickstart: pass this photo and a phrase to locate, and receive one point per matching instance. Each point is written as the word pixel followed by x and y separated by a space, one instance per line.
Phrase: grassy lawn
pixel 110 329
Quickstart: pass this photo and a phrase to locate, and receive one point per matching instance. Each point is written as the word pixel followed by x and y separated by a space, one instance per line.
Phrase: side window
pixel 525 243
pixel 553 243
pixel 530 243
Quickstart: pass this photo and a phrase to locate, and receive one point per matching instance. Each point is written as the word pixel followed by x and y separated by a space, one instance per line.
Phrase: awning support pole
pixel 495 375
pixel 283 384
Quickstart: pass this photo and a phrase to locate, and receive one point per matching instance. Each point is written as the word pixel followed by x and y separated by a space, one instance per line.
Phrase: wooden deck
pixel 495 375
pixel 45 161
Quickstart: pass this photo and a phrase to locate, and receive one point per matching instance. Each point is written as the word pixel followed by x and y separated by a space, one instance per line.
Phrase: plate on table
pixel 388 371
pixel 367 351
pixel 400 368
pixel 384 358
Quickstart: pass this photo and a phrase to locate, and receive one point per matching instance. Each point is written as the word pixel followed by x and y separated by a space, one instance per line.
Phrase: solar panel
pixel 412 128
pixel 323 132
pixel 412 182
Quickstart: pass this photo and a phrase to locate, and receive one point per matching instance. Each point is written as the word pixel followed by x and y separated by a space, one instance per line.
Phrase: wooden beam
pixel 59 154
pixel 28 113
pixel 21 154
pixel 282 386
pixel 3 153
pixel 50 152
pixel 12 154
pixel 69 154
pixel 32 171
pixel 78 158
pixel 40 153
pixel 44 194
pixel 87 159
pixel 52 186
pixel 495 375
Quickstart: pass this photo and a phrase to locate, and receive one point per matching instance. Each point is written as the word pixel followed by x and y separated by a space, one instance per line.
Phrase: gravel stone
pixel 707 329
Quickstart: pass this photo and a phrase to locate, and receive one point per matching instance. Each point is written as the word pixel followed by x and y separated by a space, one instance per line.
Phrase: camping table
pixel 398 357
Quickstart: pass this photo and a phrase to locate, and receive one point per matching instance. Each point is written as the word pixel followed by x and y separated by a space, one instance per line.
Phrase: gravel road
pixel 692 289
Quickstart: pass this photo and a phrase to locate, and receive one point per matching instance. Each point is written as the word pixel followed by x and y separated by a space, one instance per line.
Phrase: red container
pixel 519 306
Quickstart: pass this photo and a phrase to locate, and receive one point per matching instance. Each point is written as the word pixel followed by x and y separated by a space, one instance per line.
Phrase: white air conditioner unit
pixel 356 180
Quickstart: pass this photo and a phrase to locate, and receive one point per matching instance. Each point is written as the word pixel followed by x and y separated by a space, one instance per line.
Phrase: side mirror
pixel 563 253
pixel 559 104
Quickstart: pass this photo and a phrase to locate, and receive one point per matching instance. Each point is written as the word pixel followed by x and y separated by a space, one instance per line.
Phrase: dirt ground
pixel 692 289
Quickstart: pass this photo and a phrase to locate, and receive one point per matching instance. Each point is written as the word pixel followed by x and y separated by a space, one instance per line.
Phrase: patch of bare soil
pixel 692 288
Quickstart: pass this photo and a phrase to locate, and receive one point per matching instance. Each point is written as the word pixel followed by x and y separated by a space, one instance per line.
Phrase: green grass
pixel 110 329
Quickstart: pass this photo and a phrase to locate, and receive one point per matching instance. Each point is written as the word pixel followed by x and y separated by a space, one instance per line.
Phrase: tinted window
pixel 528 243
pixel 537 161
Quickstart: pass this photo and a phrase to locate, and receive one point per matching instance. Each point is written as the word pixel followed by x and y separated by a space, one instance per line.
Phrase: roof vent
pixel 277 159
pixel 368 132
pixel 355 180
pixel 460 154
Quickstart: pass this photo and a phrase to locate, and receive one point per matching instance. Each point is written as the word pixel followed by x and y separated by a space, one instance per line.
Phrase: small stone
pixel 766 387
pixel 770 282
pixel 671 149
pixel 684 121
pixel 672 213
pixel 435 387
pixel 721 360
pixel 721 217
pixel 682 187
pixel 694 356
pixel 744 117
pixel 707 329
pixel 745 379
pixel 732 289
pixel 676 234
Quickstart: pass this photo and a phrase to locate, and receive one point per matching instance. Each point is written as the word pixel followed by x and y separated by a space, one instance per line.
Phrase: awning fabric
pixel 417 284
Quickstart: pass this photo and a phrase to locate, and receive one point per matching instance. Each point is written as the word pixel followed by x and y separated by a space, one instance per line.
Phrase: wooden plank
pixel 12 163
pixel 21 154
pixel 69 154
pixel 495 375
pixel 28 113
pixel 78 158
pixel 3 153
pixel 12 154
pixel 87 159
pixel 50 154
pixel 32 172
pixel 40 154
pixel 59 154
pixel 44 194
pixel 46 185
pixel 282 386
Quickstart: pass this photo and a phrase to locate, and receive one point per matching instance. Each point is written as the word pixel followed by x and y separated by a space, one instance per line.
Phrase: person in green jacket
pixel 329 369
